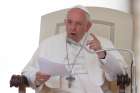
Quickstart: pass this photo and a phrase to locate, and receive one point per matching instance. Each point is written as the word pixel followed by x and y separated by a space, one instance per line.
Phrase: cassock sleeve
pixel 30 69
pixel 113 63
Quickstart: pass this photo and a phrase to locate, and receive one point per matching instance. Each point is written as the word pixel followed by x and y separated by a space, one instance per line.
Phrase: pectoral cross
pixel 70 80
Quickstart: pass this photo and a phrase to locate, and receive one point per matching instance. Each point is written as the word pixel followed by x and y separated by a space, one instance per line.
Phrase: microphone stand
pixel 124 80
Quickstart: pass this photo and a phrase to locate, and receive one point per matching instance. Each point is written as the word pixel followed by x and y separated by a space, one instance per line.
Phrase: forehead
pixel 76 13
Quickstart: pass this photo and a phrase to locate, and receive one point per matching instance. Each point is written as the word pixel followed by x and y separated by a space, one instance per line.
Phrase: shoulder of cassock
pixel 53 48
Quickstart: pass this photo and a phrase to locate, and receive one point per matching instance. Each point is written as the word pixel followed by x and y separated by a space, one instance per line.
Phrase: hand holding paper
pixel 52 68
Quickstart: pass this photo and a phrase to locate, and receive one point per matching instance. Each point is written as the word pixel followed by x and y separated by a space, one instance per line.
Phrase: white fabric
pixel 82 8
pixel 88 71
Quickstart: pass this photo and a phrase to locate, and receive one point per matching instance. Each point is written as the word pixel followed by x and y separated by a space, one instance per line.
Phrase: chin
pixel 73 37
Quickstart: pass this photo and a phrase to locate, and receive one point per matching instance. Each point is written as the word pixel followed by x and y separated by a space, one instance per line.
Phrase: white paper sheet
pixel 52 68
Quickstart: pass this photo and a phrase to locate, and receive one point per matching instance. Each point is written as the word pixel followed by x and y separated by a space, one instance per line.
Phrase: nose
pixel 73 27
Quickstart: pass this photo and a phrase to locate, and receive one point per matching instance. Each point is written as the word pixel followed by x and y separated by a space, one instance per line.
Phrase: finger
pixel 40 75
pixel 43 74
pixel 46 76
pixel 91 43
pixel 44 79
pixel 94 37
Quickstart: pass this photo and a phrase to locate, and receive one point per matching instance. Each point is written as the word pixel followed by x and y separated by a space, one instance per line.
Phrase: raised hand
pixel 95 45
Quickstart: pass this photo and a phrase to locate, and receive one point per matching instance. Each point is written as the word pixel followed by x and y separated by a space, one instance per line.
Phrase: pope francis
pixel 87 71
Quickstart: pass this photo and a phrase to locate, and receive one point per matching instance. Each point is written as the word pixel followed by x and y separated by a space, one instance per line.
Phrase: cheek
pixel 81 29
pixel 80 32
pixel 67 28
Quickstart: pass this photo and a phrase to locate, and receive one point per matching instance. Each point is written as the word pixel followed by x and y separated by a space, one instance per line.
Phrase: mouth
pixel 72 34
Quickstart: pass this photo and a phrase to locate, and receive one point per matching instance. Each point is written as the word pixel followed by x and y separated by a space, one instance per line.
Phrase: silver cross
pixel 70 80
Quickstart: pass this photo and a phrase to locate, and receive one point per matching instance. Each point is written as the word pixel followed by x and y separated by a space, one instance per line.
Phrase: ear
pixel 89 26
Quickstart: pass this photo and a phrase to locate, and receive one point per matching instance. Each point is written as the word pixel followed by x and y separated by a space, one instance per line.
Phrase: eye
pixel 78 23
pixel 69 21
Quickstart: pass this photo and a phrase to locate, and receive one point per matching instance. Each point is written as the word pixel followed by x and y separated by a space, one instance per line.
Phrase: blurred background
pixel 20 28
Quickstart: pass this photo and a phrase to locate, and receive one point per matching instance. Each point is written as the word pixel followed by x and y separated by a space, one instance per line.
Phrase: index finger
pixel 94 37
pixel 42 74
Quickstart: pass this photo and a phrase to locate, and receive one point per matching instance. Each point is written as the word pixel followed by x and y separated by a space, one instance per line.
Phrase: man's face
pixel 76 24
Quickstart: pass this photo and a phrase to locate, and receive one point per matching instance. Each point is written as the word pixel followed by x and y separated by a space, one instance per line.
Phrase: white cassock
pixel 89 71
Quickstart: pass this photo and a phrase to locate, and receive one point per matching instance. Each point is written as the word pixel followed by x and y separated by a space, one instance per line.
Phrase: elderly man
pixel 87 70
